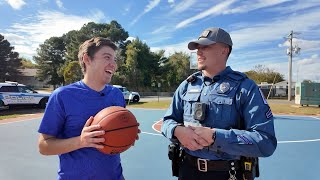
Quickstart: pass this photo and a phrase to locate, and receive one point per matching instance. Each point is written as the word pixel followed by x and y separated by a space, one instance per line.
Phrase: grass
pixel 162 104
pixel 294 109
pixel 8 116
pixel 277 108
pixel 18 111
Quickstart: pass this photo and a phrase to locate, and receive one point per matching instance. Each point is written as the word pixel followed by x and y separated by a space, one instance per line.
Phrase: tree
pixel 131 65
pixel 50 58
pixel 72 72
pixel 113 31
pixel 9 61
pixel 27 64
pixel 119 77
pixel 307 81
pixel 178 69
pixel 141 64
pixel 261 73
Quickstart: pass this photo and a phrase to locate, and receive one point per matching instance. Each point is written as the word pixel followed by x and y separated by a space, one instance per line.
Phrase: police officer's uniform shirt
pixel 229 96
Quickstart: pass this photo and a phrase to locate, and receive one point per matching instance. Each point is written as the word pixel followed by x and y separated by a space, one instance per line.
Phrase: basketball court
pixel 296 156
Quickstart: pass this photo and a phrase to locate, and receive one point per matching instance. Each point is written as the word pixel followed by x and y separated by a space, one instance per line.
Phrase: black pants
pixel 187 172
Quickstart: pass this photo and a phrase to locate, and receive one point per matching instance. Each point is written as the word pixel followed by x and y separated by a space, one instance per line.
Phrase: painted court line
pixel 157 125
pixel 154 134
pixel 280 142
pixel 17 121
pixel 299 141
pixel 318 118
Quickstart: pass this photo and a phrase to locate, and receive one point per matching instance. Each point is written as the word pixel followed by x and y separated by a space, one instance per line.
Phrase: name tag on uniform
pixel 194 91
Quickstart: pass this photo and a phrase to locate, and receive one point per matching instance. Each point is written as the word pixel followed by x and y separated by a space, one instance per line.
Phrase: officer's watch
pixel 214 136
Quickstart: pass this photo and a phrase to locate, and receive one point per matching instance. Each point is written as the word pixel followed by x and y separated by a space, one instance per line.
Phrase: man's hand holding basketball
pixel 89 133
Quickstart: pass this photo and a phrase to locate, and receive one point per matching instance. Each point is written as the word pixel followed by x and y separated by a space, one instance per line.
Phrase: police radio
pixel 200 111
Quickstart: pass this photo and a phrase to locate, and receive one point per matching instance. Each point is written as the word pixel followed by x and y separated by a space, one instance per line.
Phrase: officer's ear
pixel 226 50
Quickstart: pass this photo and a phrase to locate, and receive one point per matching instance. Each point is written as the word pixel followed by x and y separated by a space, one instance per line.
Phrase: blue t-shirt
pixel 67 111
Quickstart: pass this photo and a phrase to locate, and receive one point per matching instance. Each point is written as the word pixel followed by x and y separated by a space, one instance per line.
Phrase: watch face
pixel 214 136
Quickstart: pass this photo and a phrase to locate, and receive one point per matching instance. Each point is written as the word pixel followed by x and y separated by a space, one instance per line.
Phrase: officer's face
pixel 211 57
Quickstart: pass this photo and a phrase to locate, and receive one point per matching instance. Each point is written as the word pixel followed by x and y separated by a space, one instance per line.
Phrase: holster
pixel 250 167
pixel 175 154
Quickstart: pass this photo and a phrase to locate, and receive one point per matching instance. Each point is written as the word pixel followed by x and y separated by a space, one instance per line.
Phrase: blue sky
pixel 258 27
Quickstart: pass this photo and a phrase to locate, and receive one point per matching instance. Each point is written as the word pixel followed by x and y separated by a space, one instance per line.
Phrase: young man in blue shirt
pixel 65 129
pixel 218 115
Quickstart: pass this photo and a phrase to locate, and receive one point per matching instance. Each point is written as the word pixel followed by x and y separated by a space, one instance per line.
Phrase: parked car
pixel 15 94
pixel 128 95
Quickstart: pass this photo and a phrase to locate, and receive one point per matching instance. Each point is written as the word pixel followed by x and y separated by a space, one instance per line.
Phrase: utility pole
pixel 290 51
pixel 290 66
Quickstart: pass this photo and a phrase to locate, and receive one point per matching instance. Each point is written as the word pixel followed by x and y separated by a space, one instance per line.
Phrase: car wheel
pixel 136 99
pixel 1 103
pixel 43 103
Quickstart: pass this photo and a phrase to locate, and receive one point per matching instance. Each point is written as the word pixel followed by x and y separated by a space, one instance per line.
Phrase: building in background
pixel 28 77
pixel 278 90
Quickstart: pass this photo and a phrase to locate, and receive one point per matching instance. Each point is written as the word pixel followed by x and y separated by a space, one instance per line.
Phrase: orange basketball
pixel 120 126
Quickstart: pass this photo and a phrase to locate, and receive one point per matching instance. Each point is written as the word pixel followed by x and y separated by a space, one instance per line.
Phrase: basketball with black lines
pixel 120 126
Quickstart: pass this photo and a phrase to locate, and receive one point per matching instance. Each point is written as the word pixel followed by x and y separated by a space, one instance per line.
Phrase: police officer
pixel 218 115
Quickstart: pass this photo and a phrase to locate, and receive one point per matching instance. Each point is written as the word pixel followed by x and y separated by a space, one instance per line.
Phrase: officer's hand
pixel 89 135
pixel 189 139
pixel 204 132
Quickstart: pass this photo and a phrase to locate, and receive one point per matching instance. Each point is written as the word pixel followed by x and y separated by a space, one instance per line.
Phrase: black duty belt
pixel 205 165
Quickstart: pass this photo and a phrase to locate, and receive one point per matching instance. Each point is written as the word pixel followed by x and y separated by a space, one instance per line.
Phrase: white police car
pixel 132 96
pixel 14 94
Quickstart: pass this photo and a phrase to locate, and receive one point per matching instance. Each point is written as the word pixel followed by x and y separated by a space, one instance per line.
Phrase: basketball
pixel 120 126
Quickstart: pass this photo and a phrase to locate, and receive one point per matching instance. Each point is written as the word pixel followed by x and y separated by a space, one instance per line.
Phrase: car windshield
pixel 125 90
pixel 25 89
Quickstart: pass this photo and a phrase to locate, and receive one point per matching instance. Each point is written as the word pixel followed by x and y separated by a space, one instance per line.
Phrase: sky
pixel 259 28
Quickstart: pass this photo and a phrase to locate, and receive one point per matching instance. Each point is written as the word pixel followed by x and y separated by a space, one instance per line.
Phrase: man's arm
pixel 50 145
pixel 257 139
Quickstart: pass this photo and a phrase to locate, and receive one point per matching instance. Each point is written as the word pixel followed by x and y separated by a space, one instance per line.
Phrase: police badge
pixel 224 87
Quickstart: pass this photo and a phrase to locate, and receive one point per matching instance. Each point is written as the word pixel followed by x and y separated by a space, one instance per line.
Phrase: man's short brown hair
pixel 91 46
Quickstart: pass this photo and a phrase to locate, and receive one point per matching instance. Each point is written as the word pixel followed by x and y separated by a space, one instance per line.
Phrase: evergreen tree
pixel 72 72
pixel 113 31
pixel 50 58
pixel 9 61
pixel 141 64
pixel 178 69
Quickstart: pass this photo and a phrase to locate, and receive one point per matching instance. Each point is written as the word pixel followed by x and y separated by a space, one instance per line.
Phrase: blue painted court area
pixel 296 156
